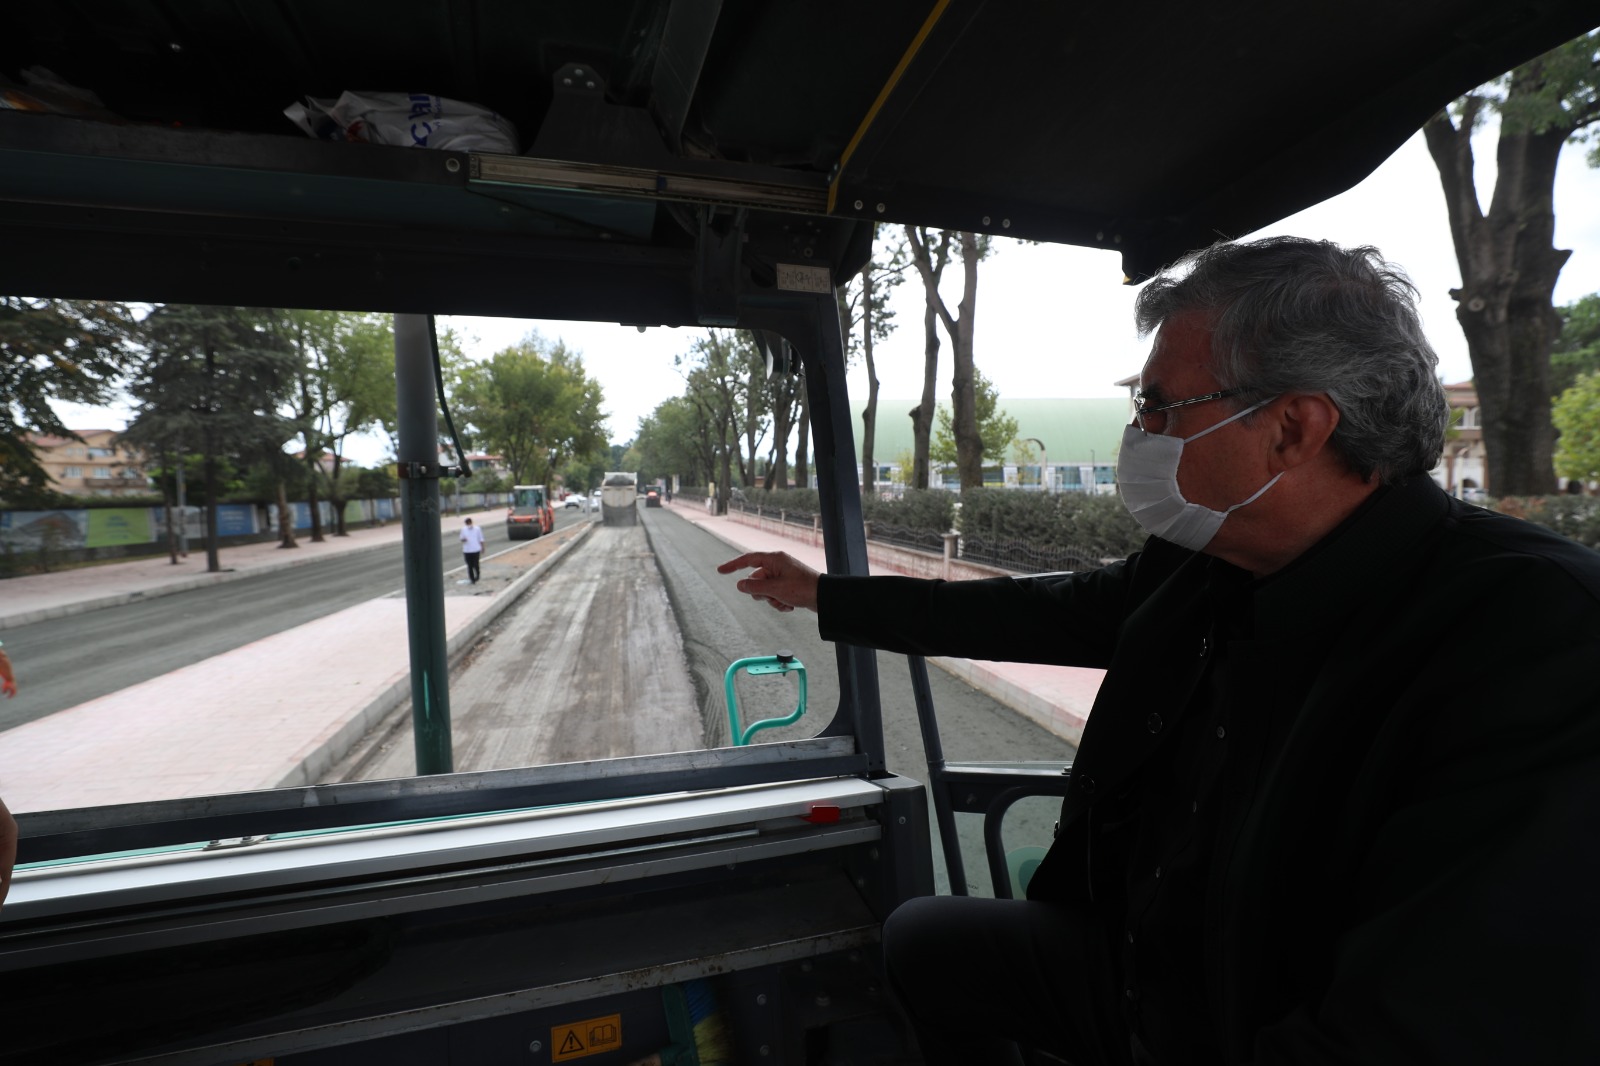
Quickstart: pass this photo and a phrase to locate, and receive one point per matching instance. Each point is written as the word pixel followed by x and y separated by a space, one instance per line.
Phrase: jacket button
pixel 1086 785
pixel 1154 723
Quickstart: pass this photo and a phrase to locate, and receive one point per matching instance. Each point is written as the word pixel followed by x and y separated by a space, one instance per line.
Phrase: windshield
pixel 595 632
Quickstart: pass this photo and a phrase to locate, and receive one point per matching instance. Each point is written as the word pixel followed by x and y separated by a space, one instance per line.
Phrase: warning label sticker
pixel 585 1038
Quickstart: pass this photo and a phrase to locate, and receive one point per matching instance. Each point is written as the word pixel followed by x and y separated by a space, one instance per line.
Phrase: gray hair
pixel 1294 315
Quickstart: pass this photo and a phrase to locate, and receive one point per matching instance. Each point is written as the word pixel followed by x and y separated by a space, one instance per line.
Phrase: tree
pixel 213 377
pixel 670 441
pixel 959 327
pixel 930 250
pixel 864 302
pixel 719 368
pixel 346 384
pixel 1508 259
pixel 996 429
pixel 1577 416
pixel 534 405
pixel 72 350
pixel 1577 347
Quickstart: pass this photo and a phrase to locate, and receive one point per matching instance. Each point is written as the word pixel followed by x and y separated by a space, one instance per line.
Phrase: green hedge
pixel 1095 526
pixel 1577 517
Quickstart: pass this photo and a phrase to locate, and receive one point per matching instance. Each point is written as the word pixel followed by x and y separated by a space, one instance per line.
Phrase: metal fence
pixel 907 537
pixel 1027 557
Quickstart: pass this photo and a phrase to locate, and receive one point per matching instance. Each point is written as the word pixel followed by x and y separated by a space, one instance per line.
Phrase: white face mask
pixel 1147 475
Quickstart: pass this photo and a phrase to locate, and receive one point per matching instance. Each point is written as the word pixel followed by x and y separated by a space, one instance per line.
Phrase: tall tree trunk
pixel 1509 267
pixel 285 522
pixel 922 414
pixel 172 528
pixel 208 437
pixel 869 416
pixel 802 455
pixel 963 394
pixel 336 497
pixel 930 257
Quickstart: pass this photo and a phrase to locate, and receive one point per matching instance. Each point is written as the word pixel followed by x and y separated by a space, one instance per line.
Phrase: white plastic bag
pixel 417 120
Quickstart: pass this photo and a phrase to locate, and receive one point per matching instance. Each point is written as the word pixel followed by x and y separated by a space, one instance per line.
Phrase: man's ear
pixel 1305 424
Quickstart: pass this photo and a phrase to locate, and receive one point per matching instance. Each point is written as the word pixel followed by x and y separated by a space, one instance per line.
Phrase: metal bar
pixel 938 783
pixel 647 183
pixel 424 566
pixel 51 835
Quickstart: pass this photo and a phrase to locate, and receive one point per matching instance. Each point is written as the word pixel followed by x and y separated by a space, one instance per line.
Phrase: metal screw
pixel 1117 239
pixel 579 72
pixel 807 253
pixel 1100 236
pixel 861 882
pixel 985 220
pixel 761 999
pixel 175 46
pixel 859 205
pixel 452 165
pixel 566 81
pixel 902 819
pixel 824 1001
pixel 765 1051
pixel 881 209
pixel 536 1047
pixel 1005 223
pixel 588 85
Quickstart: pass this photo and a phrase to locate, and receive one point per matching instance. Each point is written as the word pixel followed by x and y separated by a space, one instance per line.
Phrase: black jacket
pixel 1415 876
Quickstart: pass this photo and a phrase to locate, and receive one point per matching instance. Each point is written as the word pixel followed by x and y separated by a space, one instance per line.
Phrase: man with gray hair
pixel 1338 797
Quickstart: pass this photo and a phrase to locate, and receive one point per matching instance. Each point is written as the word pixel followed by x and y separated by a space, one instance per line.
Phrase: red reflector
pixel 821 814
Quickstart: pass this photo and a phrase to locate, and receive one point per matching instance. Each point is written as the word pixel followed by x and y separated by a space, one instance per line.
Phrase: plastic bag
pixel 417 120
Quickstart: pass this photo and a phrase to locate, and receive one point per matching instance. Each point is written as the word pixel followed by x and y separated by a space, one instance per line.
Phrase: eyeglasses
pixel 1153 419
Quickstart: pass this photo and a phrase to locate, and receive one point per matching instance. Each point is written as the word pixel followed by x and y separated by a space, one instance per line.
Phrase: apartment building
pixel 94 466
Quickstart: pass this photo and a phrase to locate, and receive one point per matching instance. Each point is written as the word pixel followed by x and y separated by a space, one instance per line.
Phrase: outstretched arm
pixel 777 578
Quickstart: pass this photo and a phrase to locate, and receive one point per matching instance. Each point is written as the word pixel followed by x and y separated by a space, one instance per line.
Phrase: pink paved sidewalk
pixel 276 713
pixel 1056 697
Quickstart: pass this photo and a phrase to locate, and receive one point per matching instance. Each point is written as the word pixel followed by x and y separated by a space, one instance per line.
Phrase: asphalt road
pixel 719 625
pixel 82 657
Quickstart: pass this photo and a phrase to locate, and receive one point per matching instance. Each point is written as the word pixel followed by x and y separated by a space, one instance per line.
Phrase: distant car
pixel 652 498
pixel 575 500
pixel 594 500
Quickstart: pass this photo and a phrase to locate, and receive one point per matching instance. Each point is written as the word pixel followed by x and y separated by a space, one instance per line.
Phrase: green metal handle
pixel 781 663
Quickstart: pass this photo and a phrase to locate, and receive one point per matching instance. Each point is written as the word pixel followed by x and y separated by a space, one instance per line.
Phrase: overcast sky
pixel 1056 321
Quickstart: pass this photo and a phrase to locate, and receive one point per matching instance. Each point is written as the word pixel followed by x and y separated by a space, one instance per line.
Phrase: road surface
pixel 72 660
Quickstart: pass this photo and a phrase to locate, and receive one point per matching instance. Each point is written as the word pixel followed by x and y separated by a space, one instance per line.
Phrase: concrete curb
pixel 319 761
pixel 67 610
pixel 1058 720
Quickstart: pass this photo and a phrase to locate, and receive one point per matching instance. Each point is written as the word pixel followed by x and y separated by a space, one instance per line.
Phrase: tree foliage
pixel 70 350
pixel 213 380
pixel 1577 349
pixel 1507 255
pixel 719 369
pixel 670 441
pixel 996 429
pixel 1577 416
pixel 534 405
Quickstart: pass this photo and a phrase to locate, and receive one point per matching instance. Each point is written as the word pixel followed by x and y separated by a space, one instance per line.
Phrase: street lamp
pixel 1044 462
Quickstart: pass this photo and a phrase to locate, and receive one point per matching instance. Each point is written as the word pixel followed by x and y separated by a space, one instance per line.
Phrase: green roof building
pixel 1080 438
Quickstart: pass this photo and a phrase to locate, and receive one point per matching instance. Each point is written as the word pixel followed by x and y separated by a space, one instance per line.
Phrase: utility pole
pixel 419 515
